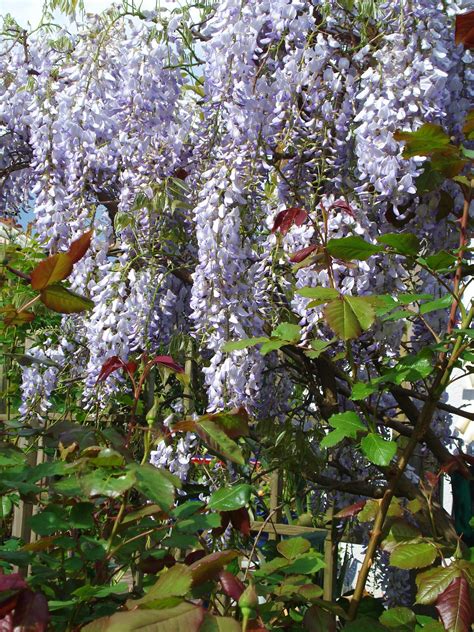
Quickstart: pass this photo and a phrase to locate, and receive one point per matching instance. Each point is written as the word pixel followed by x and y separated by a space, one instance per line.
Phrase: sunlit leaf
pixel 350 248
pixel 208 567
pixel 185 617
pixel 51 270
pixel 413 555
pixel 237 345
pixel 404 243
pixel 402 619
pixel 80 246
pixel 428 139
pixel 287 331
pixel 455 608
pixel 349 316
pixel 229 498
pixel 433 582
pixel 293 547
pixel 59 299
pixel 287 218
pixel 377 449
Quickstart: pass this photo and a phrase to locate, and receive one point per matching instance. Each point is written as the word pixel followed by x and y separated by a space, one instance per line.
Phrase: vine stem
pixel 28 304
pixel 463 242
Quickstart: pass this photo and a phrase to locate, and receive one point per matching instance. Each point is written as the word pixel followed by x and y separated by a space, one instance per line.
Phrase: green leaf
pixel 49 521
pixel 209 566
pixel 364 624
pixel 469 153
pixel 87 592
pixel 173 582
pixel 407 298
pixel 108 458
pixel 441 303
pixel 350 248
pixel 411 368
pixel 400 531
pixel 413 555
pixel 237 345
pixel 349 423
pixel 362 390
pixel 332 439
pixel 433 582
pixel 199 522
pixel 81 516
pixel 377 449
pixel 186 509
pixel 440 261
pixel 307 564
pixel 349 316
pixel 319 294
pixel 400 618
pixel 155 484
pixel 230 498
pixel 185 617
pixel 10 456
pixel 287 331
pixel 59 299
pixel 102 482
pixel 429 138
pixel 429 180
pixel 272 345
pixel 293 547
pixel 6 507
pixel 427 624
pixel 318 347
pixel 404 243
pixel 398 315
pixel 218 441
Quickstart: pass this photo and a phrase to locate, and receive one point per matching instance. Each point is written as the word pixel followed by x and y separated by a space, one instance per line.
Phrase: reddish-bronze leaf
pixel 8 605
pixel 301 255
pixel 112 364
pixel 194 556
pixel 285 219
pixel 209 566
pixel 344 206
pixel 231 585
pixel 13 317
pixel 180 173
pixel 455 607
pixel 14 581
pixel 187 425
pixel 465 29
pixel 31 611
pixel 235 422
pixel 168 362
pixel 240 520
pixel 80 246
pixel 351 510
pixel 51 270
